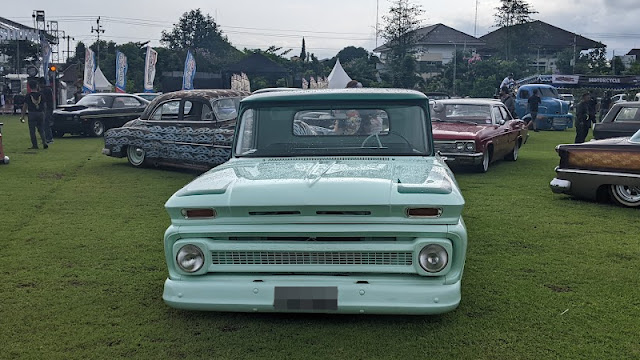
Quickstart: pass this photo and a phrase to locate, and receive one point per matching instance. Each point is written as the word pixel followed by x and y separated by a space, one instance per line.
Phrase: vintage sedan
pixel 476 132
pixel 598 169
pixel 189 128
pixel 622 120
pixel 355 214
pixel 96 113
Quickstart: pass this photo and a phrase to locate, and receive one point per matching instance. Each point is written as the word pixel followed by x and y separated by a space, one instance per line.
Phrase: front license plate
pixel 291 298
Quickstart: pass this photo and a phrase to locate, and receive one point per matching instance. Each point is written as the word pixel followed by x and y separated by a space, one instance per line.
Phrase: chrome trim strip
pixel 597 173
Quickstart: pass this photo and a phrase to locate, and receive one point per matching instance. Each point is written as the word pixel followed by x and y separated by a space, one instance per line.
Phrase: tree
pixel 399 30
pixel 24 49
pixel 509 14
pixel 197 31
pixel 351 53
pixel 303 52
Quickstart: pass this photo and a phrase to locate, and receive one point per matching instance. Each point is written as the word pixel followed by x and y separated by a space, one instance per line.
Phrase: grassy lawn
pixel 82 271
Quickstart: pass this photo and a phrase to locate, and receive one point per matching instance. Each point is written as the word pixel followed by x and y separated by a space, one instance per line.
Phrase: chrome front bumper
pixel 560 186
pixel 463 158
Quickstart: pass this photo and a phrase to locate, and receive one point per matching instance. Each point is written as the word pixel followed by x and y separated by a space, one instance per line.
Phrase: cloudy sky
pixel 327 25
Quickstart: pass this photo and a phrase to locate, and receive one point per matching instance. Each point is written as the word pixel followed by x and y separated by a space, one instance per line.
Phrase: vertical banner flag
pixel 88 84
pixel 305 83
pixel 150 69
pixel 246 84
pixel 312 83
pixel 189 71
pixel 121 72
pixel 46 57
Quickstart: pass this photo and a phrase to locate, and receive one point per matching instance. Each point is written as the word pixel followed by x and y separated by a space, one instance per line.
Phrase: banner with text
pixel 189 71
pixel 88 84
pixel 121 72
pixel 150 69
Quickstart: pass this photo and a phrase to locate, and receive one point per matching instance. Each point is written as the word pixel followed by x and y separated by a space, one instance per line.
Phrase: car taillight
pixel 424 212
pixel 198 213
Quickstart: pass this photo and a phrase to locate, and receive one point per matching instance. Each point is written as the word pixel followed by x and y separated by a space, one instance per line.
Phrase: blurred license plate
pixel 305 298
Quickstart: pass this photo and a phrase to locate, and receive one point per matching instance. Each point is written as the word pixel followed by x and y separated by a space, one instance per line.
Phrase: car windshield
pixel 549 92
pixel 635 138
pixel 285 131
pixel 479 114
pixel 96 101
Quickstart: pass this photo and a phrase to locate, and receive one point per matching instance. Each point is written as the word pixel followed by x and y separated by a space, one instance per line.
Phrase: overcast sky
pixel 327 25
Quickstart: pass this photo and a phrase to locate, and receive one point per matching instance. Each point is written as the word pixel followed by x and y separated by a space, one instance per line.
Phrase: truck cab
pixel 553 112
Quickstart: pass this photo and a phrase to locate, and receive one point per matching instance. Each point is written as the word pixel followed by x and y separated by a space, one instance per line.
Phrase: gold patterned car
pixel 600 169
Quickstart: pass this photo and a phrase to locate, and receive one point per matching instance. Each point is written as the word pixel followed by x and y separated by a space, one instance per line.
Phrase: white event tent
pixel 101 82
pixel 338 78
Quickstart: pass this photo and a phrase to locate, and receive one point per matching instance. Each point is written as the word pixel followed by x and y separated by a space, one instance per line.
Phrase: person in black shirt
pixel 605 104
pixel 47 93
pixel 534 102
pixel 582 120
pixel 35 103
pixel 593 105
pixel 507 100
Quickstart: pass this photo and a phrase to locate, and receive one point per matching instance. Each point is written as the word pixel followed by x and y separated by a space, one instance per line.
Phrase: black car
pixel 623 120
pixel 189 128
pixel 95 113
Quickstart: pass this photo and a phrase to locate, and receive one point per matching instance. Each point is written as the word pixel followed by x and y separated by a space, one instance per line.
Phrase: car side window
pixel 505 114
pixel 225 109
pixel 125 102
pixel 497 115
pixel 524 94
pixel 166 111
pixel 627 115
pixel 196 111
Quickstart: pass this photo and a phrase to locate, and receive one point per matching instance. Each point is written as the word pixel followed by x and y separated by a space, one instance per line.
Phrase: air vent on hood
pixel 274 213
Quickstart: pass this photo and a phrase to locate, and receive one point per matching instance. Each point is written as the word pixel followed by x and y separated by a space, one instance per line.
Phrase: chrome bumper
pixel 560 186
pixel 463 158
pixel 106 151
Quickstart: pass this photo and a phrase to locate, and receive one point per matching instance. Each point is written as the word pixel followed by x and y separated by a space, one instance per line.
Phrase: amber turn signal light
pixel 424 212
pixel 198 213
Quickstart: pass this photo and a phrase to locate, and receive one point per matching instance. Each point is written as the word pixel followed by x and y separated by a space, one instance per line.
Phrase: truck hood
pixel 449 130
pixel 382 187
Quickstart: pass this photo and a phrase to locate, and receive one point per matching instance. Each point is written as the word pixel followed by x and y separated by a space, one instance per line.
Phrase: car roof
pixel 204 94
pixel 635 104
pixel 355 94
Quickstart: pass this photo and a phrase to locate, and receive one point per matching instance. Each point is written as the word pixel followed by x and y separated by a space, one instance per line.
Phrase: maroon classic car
pixel 476 132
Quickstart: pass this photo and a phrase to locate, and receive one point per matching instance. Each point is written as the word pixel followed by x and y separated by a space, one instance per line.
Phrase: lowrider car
pixel 476 132
pixel 355 214
pixel 608 168
pixel 189 128
pixel 95 113
pixel 622 120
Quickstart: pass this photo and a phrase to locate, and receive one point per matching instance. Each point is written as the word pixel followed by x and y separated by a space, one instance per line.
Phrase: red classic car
pixel 476 132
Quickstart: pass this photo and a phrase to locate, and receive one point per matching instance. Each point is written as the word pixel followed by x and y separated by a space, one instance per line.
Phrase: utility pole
pixel 98 29
pixel 68 38
pixel 613 61
pixel 574 52
pixel 475 24
pixel 377 8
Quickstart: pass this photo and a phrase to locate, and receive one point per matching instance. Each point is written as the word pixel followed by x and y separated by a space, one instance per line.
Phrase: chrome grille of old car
pixel 311 258
pixel 445 145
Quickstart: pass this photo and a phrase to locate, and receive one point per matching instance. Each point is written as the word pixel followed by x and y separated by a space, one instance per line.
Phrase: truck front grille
pixel 311 258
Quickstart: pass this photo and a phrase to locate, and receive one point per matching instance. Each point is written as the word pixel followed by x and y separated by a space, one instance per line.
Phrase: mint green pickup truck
pixel 334 201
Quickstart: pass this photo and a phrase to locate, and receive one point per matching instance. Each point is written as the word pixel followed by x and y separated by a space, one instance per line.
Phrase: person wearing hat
pixel 582 118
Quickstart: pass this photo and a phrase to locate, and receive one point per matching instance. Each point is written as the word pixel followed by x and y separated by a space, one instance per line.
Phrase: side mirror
pixel 501 121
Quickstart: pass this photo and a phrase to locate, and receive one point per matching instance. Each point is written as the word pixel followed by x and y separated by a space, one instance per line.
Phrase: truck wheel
pixel 626 195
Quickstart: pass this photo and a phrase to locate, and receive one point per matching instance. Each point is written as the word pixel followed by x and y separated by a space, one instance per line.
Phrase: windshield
pixel 636 137
pixel 96 101
pixel 478 114
pixel 548 92
pixel 286 131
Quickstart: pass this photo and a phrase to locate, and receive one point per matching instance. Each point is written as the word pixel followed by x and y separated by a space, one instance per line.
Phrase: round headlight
pixel 433 258
pixel 470 146
pixel 190 258
pixel 459 146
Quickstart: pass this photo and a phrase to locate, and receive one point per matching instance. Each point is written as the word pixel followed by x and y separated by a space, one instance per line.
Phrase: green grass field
pixel 82 271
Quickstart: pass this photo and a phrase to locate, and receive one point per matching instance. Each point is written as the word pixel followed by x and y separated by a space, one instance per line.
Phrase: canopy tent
pixel 338 78
pixel 100 81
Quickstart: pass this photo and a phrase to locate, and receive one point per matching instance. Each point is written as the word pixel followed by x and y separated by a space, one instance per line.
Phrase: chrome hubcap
pixel 629 194
pixel 136 155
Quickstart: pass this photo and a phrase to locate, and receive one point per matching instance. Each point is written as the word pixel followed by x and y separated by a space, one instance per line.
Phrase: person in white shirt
pixel 508 82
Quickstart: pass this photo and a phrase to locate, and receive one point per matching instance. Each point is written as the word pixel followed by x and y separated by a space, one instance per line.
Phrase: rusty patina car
pixel 600 169
pixel 476 132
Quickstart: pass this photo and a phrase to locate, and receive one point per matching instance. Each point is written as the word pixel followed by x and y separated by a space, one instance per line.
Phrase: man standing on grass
pixel 47 93
pixel 534 102
pixel 35 103
pixel 582 120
